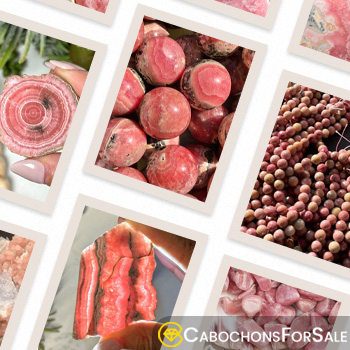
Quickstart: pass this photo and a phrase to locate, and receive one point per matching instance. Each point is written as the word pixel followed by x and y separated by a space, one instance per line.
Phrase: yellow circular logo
pixel 171 334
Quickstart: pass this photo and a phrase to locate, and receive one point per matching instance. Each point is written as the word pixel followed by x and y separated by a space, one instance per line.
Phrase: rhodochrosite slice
pixel 258 7
pixel 36 113
pixel 98 5
pixel 115 283
pixel 328 28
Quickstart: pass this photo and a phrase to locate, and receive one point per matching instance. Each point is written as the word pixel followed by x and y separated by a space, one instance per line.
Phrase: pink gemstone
pixel 287 315
pixel 225 128
pixel 257 7
pixel 97 5
pixel 264 283
pixel 215 48
pixel 131 172
pixel 318 321
pixel 131 93
pixel 270 296
pixel 311 295
pixel 140 37
pixel 299 325
pixel 164 113
pixel 173 168
pixel 189 45
pixel 250 291
pixel 153 29
pixel 248 56
pixel 325 306
pixel 206 84
pixel 154 144
pixel 205 124
pixel 334 312
pixel 206 161
pixel 251 305
pixel 250 327
pixel 227 283
pixel 160 60
pixel 230 307
pixel 286 295
pixel 305 305
pixel 124 143
pixel 36 114
pixel 244 280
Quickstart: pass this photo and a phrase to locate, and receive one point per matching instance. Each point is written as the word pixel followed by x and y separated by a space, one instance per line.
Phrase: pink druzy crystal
pixel 258 7
pixel 36 114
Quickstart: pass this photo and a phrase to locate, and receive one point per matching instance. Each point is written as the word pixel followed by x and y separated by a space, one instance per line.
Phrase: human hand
pixel 42 169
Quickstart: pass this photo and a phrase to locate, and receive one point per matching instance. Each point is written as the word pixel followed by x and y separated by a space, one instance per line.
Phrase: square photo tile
pixel 258 308
pixel 258 12
pixel 323 32
pixel 298 188
pixel 46 80
pixel 20 251
pixel 118 272
pixel 180 89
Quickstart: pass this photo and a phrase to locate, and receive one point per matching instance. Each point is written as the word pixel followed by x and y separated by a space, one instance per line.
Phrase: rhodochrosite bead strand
pixel 124 143
pixel 130 94
pixel 164 113
pixel 215 48
pixel 206 84
pixel 160 60
pixel 174 168
pixel 36 114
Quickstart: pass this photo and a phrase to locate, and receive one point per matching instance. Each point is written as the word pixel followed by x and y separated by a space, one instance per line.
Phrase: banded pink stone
pixel 36 114
pixel 131 172
pixel 252 304
pixel 244 280
pixel 287 295
pixel 97 5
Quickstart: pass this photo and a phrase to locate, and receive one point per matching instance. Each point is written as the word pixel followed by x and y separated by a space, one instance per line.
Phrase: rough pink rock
pixel 206 84
pixel 164 113
pixel 224 128
pixel 205 124
pixel 173 168
pixel 131 93
pixel 124 143
pixel 206 161
pixel 252 304
pixel 215 48
pixel 131 172
pixel 244 280
pixel 160 60
pixel 192 52
pixel 286 295
pixel 258 7
pixel 325 306
pixel 139 38
pixel 153 29
pixel 230 306
pixel 328 28
pixel 36 114
pixel 98 5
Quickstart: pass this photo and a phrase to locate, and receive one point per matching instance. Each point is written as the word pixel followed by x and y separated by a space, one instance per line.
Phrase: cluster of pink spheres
pixel 265 306
pixel 174 109
pixel 301 197
pixel 14 258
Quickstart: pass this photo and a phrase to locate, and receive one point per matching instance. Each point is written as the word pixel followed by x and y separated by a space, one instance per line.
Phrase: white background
pixel 215 225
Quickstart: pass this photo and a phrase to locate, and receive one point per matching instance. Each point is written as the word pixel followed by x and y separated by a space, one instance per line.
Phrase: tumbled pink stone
pixel 124 143
pixel 300 324
pixel 206 84
pixel 305 304
pixel 334 312
pixel 325 306
pixel 131 93
pixel 131 172
pixel 251 304
pixel 227 283
pixel 287 315
pixel 286 295
pixel 244 280
pixel 250 291
pixel 160 60
pixel 318 321
pixel 230 306
pixel 140 37
pixel 173 168
pixel 215 48
pixel 153 29
pixel 204 125
pixel 164 113
pixel 250 326
pixel 263 282
pixel 311 295
pixel 192 52
pixel 270 296
pixel 231 273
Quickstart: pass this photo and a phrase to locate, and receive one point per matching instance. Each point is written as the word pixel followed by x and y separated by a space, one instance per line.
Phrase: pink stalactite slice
pixel 98 5
pixel 36 114
pixel 115 283
pixel 257 7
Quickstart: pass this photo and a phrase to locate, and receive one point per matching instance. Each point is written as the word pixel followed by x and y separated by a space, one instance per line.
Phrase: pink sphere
pixel 156 145
pixel 124 143
pixel 215 48
pixel 164 113
pixel 160 60
pixel 206 84
pixel 225 128
pixel 131 172
pixel 139 38
pixel 173 168
pixel 205 124
pixel 153 29
pixel 131 93
pixel 207 162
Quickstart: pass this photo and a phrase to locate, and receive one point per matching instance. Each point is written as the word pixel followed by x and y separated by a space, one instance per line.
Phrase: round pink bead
pixel 164 113
pixel 206 84
pixel 131 172
pixel 160 60
pixel 130 94
pixel 215 48
pixel 174 168
pixel 124 143
pixel 205 124
pixel 153 29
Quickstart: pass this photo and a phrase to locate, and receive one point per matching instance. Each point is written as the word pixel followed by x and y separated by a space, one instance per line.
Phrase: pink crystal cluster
pixel 263 305
pixel 328 28
pixel 174 108
pixel 14 258
pixel 258 7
